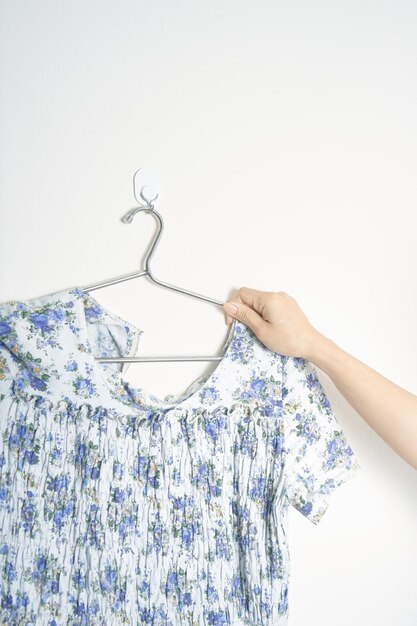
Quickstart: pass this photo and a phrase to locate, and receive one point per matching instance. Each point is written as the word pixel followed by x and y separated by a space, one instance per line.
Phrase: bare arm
pixel 389 409
pixel 279 322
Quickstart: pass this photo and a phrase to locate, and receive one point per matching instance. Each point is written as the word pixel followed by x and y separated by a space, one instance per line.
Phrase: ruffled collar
pixel 124 341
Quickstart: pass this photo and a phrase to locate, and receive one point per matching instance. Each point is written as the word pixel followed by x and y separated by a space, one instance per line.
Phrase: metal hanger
pixel 150 208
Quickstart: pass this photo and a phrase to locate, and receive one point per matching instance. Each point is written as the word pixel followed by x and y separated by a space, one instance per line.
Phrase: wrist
pixel 318 348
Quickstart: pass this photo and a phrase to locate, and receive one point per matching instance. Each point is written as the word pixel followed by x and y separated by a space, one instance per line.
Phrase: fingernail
pixel 230 308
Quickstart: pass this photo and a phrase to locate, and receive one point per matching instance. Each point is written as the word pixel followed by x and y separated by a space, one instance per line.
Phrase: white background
pixel 285 138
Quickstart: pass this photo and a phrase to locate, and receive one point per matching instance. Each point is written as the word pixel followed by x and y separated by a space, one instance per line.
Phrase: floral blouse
pixel 118 507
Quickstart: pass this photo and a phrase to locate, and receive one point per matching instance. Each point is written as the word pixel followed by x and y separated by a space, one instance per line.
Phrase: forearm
pixel 389 409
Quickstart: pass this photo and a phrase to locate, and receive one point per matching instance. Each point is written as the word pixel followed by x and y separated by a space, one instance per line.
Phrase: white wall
pixel 285 135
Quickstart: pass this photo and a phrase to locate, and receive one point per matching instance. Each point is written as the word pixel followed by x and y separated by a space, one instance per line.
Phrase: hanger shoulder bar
pixel 147 359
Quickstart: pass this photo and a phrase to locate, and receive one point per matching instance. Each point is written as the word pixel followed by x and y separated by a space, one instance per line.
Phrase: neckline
pixel 139 399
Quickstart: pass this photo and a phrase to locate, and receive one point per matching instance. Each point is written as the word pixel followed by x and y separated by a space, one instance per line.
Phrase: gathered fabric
pixel 117 507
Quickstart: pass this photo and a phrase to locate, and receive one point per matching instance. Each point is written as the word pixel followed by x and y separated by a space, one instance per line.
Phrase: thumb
pixel 245 314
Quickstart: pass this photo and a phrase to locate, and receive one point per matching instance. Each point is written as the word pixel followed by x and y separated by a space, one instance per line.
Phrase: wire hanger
pixel 150 208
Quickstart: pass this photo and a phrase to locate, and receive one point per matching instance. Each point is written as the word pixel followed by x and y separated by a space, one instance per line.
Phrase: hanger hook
pixel 149 208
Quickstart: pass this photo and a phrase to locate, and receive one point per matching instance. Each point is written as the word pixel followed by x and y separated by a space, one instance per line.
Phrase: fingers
pixel 275 318
pixel 253 298
pixel 233 298
pixel 246 305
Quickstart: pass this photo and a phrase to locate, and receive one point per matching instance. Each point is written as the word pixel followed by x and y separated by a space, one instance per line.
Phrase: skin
pixel 278 321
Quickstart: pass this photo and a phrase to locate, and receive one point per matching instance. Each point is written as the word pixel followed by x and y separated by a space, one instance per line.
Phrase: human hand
pixel 275 318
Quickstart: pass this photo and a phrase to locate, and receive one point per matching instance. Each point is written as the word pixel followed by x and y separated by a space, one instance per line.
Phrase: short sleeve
pixel 317 456
pixel 16 355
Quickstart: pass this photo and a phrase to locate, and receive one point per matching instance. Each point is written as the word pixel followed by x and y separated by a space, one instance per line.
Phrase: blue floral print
pixel 121 508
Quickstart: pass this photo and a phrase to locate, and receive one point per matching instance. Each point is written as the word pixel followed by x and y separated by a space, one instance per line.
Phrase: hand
pixel 275 318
